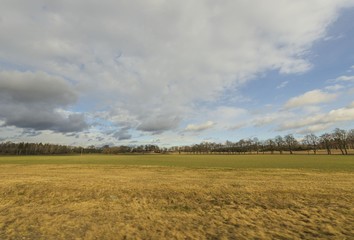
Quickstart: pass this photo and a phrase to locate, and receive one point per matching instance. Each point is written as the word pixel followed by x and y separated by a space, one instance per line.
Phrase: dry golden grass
pixel 117 202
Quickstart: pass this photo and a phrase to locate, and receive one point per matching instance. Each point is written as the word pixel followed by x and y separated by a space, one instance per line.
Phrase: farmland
pixel 177 197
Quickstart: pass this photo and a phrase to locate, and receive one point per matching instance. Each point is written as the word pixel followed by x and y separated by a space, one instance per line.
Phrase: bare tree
pixel 248 145
pixel 326 140
pixel 306 144
pixel 263 146
pixel 351 138
pixel 290 142
pixel 312 141
pixel 256 144
pixel 270 145
pixel 280 143
pixel 340 138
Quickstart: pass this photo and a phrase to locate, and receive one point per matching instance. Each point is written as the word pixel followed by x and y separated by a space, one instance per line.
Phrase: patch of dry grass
pixel 117 202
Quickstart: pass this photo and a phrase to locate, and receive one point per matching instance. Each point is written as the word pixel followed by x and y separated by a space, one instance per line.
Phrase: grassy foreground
pixel 177 197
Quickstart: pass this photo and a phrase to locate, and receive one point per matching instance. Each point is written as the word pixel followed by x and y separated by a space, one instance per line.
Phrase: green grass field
pixel 177 197
pixel 319 162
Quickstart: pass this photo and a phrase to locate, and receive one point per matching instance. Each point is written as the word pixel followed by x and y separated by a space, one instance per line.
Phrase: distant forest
pixel 338 141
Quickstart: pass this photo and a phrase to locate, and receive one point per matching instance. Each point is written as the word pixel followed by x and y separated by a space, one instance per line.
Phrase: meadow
pixel 177 197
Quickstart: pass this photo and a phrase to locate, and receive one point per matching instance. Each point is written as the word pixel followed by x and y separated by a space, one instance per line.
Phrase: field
pixel 177 197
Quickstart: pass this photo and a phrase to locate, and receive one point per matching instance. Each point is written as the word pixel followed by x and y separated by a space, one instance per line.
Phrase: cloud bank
pixel 147 64
pixel 320 121
pixel 33 100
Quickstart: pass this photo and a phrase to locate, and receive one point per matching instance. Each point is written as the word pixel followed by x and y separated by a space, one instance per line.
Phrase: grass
pixel 177 197
pixel 320 162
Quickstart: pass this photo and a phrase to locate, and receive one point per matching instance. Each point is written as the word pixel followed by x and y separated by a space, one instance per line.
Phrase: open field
pixel 320 162
pixel 177 197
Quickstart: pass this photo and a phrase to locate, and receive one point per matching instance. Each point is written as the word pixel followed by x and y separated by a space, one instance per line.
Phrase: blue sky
pixel 172 72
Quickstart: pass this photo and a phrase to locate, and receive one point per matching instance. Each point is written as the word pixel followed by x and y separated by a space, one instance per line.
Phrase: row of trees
pixel 10 148
pixel 133 149
pixel 340 140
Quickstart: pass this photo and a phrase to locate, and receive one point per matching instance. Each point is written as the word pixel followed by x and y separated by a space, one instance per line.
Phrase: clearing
pixel 177 197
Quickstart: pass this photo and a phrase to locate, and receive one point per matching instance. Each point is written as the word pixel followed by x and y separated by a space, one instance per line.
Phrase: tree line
pixel 140 149
pixel 10 148
pixel 22 148
pixel 338 140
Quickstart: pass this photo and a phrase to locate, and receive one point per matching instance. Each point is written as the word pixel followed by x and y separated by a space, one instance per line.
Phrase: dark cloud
pixel 159 124
pixel 35 88
pixel 156 141
pixel 100 139
pixel 122 135
pixel 71 134
pixel 34 101
pixel 30 133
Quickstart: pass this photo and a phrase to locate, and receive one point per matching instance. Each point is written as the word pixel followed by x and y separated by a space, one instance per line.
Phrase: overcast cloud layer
pixel 148 67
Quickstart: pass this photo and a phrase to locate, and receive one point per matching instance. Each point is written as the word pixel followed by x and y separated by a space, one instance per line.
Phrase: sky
pixel 174 72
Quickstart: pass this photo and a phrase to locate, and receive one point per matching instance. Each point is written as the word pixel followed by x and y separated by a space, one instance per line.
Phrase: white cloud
pixel 344 79
pixel 271 118
pixel 299 123
pixel 220 118
pixel 320 119
pixel 341 114
pixel 315 128
pixel 282 85
pixel 264 120
pixel 236 126
pixel 226 115
pixel 311 109
pixel 334 88
pixel 331 38
pixel 200 127
pixel 310 98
